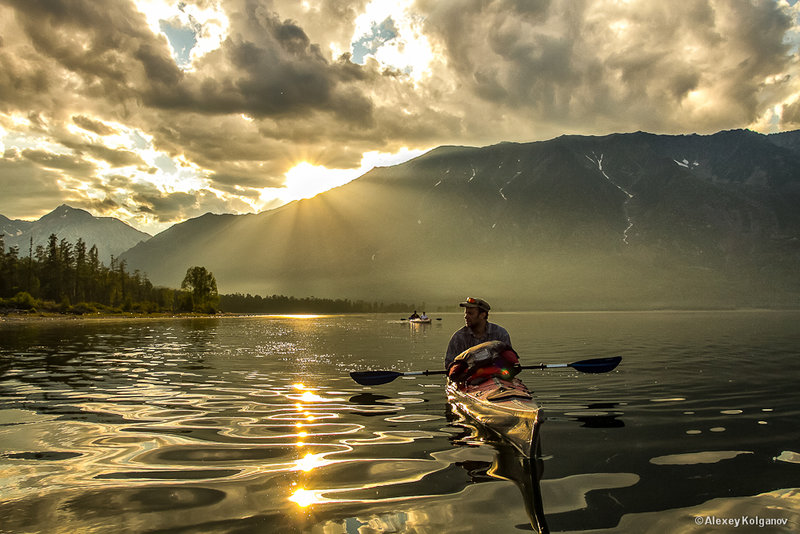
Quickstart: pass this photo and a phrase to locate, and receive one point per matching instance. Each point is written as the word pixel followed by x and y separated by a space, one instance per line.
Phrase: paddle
pixel 595 365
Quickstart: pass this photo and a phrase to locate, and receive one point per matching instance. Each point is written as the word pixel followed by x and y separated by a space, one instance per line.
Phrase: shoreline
pixel 53 317
pixel 66 317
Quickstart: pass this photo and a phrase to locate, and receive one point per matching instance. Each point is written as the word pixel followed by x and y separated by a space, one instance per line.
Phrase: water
pixel 253 425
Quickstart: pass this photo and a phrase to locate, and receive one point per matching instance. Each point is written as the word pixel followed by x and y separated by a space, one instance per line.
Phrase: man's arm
pixel 506 337
pixel 498 333
pixel 453 350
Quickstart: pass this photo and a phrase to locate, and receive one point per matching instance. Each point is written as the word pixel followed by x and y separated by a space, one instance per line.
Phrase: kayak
pixel 504 407
pixel 420 320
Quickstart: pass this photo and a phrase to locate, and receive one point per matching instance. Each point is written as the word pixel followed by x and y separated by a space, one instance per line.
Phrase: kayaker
pixel 414 315
pixel 477 330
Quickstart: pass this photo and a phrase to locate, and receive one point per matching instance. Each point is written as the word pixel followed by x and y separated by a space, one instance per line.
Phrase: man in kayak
pixel 478 330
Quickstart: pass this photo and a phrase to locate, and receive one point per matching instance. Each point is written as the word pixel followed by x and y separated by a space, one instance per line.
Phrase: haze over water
pixel 252 424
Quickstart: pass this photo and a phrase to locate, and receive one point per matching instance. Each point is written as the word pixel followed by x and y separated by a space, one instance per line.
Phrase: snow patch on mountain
pixel 686 164
pixel 598 160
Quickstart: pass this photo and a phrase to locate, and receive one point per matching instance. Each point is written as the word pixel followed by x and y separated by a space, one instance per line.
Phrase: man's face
pixel 473 316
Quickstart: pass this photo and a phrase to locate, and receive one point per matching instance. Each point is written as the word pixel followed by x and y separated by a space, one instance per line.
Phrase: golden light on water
pixel 297 316
pixel 310 461
pixel 303 497
pixel 311 397
pixel 308 396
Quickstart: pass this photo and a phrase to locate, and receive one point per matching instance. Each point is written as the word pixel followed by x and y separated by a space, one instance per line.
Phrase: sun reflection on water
pixel 304 498
pixel 297 316
pixel 311 461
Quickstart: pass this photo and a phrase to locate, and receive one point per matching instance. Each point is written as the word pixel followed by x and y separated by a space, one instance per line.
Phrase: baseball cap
pixel 473 302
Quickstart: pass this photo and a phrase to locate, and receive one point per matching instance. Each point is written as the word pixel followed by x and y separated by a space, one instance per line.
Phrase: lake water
pixel 252 424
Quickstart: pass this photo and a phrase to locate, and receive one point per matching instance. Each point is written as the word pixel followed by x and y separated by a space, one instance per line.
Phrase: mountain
pixel 620 221
pixel 111 235
pixel 13 228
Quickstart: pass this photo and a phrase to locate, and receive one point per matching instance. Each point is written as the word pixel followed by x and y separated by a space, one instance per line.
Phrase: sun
pixel 305 180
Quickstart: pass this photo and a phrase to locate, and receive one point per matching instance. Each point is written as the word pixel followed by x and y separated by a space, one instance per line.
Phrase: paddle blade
pixel 374 378
pixel 597 365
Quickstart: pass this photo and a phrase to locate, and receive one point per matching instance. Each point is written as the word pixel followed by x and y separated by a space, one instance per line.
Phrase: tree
pixel 71 279
pixel 81 274
pixel 52 270
pixel 203 287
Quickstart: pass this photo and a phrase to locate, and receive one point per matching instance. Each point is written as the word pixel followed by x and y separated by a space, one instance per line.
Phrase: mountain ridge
pixel 631 219
pixel 625 220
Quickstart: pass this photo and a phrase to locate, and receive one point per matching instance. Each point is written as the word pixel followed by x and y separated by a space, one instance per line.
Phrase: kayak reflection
pixel 508 464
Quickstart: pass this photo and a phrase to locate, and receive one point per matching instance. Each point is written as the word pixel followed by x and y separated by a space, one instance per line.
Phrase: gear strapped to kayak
pixel 483 389
pixel 492 359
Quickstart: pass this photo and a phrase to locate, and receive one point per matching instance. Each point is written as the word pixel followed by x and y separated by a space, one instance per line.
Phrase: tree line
pixel 70 278
pixel 240 303
pixel 67 277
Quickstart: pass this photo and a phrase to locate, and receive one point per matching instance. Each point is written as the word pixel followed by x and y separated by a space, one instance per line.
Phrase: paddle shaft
pixel 597 365
pixel 577 365
pixel 425 372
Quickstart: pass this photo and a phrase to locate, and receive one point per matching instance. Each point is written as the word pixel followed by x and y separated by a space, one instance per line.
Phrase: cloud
pixel 612 65
pixel 30 186
pixel 266 67
pixel 91 125
pixel 98 207
pixel 115 157
pixel 161 110
pixel 171 207
pixel 64 162
pixel 164 207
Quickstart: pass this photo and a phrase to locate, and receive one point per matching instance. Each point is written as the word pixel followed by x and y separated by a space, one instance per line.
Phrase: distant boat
pixel 420 320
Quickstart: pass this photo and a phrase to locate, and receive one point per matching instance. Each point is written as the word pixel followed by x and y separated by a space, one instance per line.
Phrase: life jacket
pixel 484 361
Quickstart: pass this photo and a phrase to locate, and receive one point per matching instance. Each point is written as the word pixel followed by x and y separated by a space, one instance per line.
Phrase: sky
pixel 156 111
